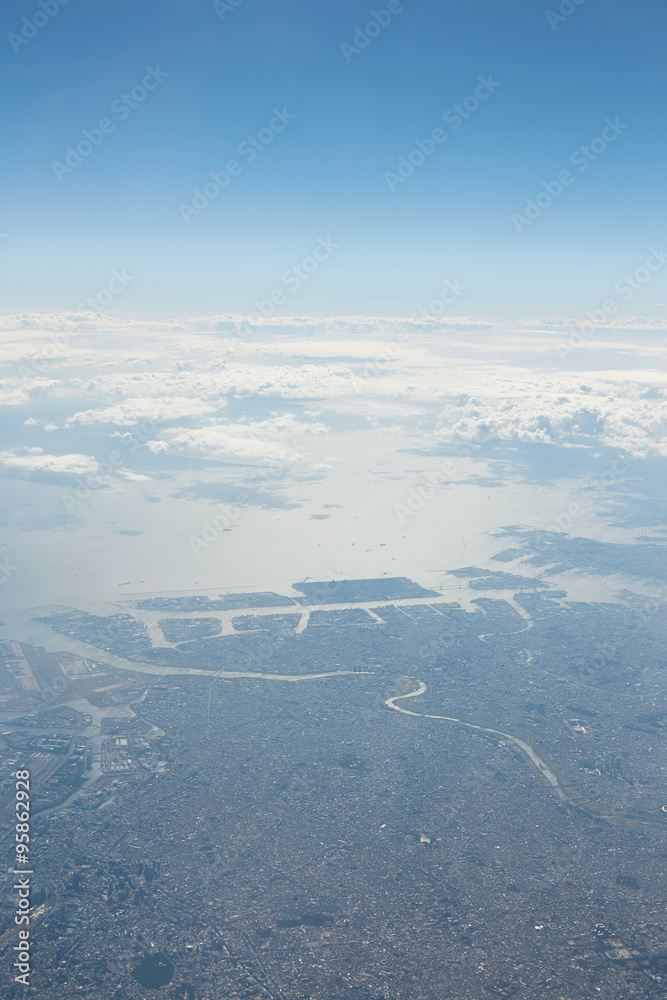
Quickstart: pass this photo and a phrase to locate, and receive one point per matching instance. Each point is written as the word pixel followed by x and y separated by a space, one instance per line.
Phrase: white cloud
pixel 134 409
pixel 19 391
pixel 71 325
pixel 133 477
pixel 563 411
pixel 452 384
pixel 157 447
pixel 36 460
pixel 13 397
pixel 271 439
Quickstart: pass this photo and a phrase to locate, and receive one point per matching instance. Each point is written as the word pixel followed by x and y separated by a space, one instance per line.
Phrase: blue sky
pixel 324 175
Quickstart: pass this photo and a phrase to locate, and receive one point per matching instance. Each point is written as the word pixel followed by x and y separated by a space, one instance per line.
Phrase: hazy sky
pixel 351 105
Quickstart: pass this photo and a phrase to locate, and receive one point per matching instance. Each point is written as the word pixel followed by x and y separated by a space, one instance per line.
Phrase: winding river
pixel 539 763
pixel 547 772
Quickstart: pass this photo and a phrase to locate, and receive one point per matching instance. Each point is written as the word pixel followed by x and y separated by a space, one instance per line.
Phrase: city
pixel 248 814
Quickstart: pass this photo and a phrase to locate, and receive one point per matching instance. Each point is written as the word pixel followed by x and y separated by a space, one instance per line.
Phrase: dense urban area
pixel 232 799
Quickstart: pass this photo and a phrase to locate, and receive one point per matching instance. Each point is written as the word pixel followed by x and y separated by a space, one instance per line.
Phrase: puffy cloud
pixel 134 409
pixel 19 391
pixel 506 384
pixel 36 460
pixel 271 439
pixel 563 412
pixel 13 396
pixel 617 323
pixel 64 330
pixel 157 447
pixel 75 324
pixel 309 381
pixel 324 348
pixel 56 322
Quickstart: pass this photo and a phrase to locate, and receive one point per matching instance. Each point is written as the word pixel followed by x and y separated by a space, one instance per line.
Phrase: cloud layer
pixel 216 387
